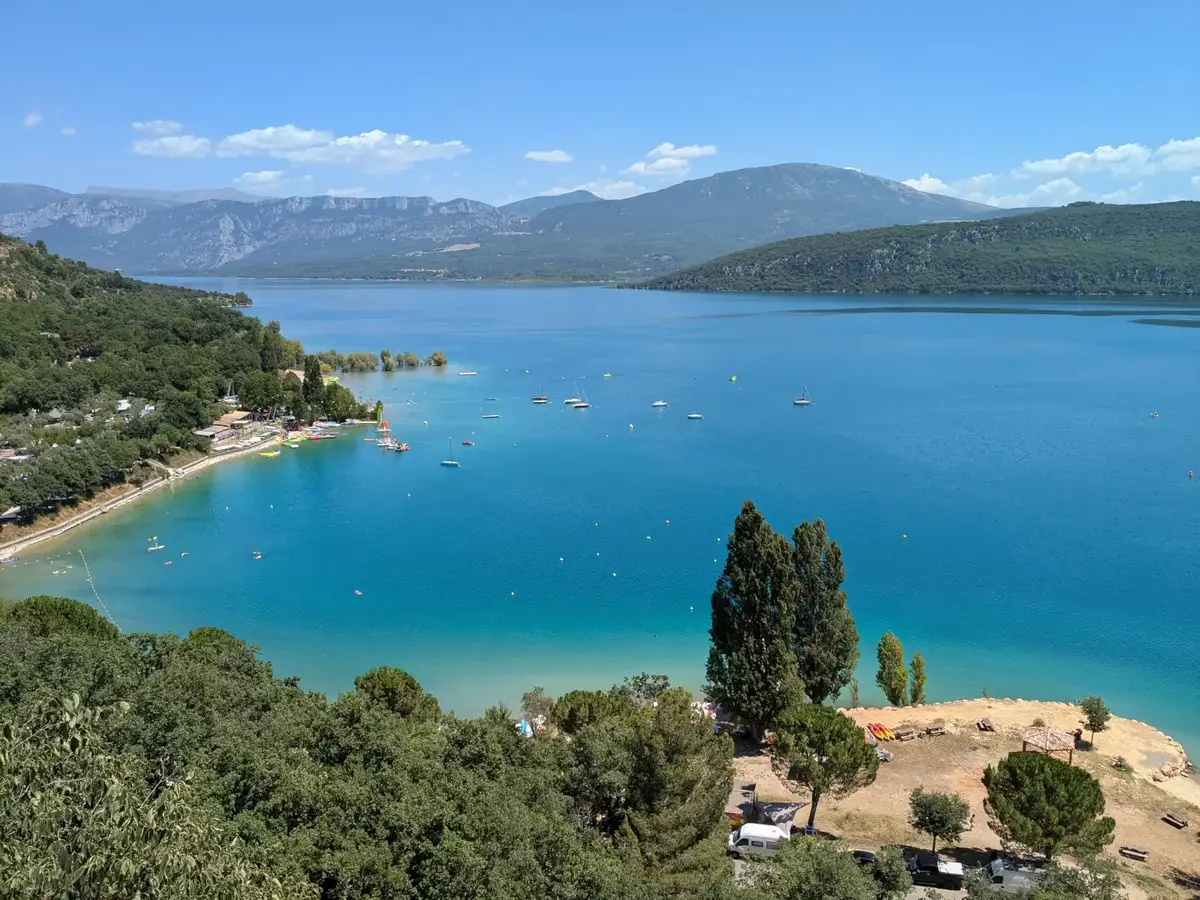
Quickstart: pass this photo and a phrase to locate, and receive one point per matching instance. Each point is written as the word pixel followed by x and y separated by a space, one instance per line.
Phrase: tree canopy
pixel 1046 805
pixel 823 751
pixel 938 815
pixel 891 676
pixel 752 665
pixel 1096 716
pixel 825 637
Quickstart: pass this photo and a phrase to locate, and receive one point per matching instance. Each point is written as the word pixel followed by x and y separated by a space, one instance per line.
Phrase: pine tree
pixel 916 679
pixel 825 638
pixel 821 749
pixel 1046 805
pixel 751 665
pixel 891 677
pixel 314 383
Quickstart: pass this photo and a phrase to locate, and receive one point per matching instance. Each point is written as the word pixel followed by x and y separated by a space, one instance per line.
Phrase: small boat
pixel 8 559
pixel 452 462
pixel 540 399
pixel 184 553
pixel 526 371
pixel 732 378
pixel 154 547
pixel 608 374
pixel 489 398
pixel 382 427
pixel 402 447
pixel 1154 415
pixel 582 404
pixel 492 416
pixel 660 404
pixel 293 445
pixel 257 554
pixel 468 443
pixel 695 416
pixel 571 401
pixel 466 374
pixel 803 399
pixel 269 453
pixel 168 562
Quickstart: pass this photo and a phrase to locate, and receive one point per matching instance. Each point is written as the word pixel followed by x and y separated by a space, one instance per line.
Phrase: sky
pixel 1014 104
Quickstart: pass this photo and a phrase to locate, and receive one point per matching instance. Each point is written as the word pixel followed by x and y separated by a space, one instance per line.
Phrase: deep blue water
pixel 1051 525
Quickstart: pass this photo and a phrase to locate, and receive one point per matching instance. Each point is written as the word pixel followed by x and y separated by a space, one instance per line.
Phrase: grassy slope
pixel 1079 249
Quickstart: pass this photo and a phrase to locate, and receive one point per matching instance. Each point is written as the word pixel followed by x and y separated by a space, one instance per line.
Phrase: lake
pixel 1050 521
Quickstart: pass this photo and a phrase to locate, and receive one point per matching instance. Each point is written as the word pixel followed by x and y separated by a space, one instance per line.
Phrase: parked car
pixel 1008 878
pixel 930 870
pixel 753 839
pixel 863 857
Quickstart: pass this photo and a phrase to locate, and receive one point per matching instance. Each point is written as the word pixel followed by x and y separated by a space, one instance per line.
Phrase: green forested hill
pixel 76 341
pixel 1085 248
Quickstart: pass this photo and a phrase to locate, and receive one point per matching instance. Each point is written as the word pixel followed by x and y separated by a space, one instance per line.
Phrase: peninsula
pixel 1084 248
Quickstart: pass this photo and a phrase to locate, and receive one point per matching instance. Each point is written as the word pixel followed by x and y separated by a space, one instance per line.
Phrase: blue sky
pixel 1015 103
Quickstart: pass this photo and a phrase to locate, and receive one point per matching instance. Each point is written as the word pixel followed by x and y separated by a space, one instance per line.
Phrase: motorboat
pixel 492 416
pixel 695 416
pixel 660 404
pixel 466 374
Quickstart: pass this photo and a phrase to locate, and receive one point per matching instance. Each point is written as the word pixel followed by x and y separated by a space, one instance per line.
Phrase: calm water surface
pixel 1051 525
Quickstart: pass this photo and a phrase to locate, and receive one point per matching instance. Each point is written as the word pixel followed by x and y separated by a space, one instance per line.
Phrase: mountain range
pixel 568 236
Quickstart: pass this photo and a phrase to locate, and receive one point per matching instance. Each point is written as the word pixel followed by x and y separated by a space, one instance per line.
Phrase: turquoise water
pixel 1051 526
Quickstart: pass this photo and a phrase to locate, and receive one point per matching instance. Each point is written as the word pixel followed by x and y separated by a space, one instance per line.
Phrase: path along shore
pixel 12 548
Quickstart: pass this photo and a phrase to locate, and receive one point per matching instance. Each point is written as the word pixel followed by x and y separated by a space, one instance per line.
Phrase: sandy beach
pixel 19 545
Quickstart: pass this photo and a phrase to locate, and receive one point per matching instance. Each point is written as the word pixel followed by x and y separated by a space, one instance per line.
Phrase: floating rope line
pixel 92 582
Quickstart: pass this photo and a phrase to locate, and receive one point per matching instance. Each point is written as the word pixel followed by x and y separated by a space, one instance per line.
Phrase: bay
pixel 1004 500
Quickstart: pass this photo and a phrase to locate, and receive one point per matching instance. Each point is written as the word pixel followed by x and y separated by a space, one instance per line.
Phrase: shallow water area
pixel 1004 500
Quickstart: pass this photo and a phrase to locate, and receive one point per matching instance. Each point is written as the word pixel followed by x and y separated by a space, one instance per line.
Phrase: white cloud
pixel 1123 195
pixel 1179 156
pixel 159 126
pixel 668 161
pixel 692 151
pixel 666 166
pixel 33 120
pixel 276 140
pixel 377 151
pixel 174 146
pixel 607 188
pixel 1123 160
pixel 348 192
pixel 549 156
pixel 68 131
pixel 929 184
pixel 265 178
pixel 1057 192
pixel 1196 181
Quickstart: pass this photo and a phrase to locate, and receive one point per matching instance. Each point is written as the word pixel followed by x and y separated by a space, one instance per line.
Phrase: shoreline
pixel 19 545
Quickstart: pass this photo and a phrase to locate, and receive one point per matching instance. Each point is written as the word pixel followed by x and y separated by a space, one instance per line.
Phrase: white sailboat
pixel 582 403
pixel 452 462
pixel 660 404
pixel 804 399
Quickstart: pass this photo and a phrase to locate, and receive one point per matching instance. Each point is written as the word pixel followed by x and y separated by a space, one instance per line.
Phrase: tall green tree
pixel 751 664
pixel 79 820
pixel 810 869
pixel 386 361
pixel 916 679
pixel 1047 806
pixel 314 383
pixel 825 637
pixel 1096 715
pixel 822 751
pixel 891 676
pixel 938 815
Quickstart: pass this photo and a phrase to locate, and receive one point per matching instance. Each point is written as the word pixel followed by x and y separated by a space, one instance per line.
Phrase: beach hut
pixel 1048 741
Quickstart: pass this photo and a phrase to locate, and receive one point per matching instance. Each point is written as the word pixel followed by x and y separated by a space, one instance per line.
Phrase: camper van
pixel 756 840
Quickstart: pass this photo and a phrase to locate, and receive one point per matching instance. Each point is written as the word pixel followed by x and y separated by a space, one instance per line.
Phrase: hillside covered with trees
pixel 1084 248
pixel 100 373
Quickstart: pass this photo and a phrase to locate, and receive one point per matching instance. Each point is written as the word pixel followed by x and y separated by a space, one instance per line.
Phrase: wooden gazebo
pixel 1049 741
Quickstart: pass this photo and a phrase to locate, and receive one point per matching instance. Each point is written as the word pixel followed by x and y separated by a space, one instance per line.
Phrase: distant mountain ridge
pixel 566 236
pixel 173 197
pixel 1084 248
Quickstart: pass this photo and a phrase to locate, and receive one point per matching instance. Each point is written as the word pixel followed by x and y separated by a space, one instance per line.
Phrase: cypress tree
pixel 916 679
pixel 314 383
pixel 824 638
pixel 751 665
pixel 892 677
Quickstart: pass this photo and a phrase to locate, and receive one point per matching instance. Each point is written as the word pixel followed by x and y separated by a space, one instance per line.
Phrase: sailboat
pixel 452 462
pixel 582 404
pixel 803 399
pixel 572 400
pixel 659 404
pixel 381 425
pixel 540 398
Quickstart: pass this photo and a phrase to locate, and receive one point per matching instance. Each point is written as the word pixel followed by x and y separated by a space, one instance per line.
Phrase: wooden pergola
pixel 1049 741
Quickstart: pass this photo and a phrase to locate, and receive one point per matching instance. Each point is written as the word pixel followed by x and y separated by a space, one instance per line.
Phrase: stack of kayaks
pixel 881 732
